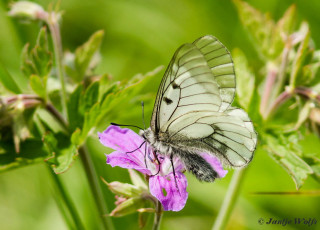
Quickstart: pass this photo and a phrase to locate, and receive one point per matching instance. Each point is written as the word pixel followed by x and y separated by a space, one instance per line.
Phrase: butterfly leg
pixel 159 164
pixel 145 156
pixel 137 148
pixel 174 172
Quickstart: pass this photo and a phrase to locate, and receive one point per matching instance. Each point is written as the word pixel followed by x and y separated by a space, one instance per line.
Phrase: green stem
pixel 229 200
pixel 157 216
pixel 95 187
pixel 90 172
pixel 68 202
pixel 52 21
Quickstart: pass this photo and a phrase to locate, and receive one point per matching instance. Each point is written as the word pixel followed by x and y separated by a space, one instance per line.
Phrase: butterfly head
pixel 148 135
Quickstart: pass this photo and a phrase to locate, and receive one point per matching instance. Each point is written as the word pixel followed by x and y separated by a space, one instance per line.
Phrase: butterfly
pixel 192 113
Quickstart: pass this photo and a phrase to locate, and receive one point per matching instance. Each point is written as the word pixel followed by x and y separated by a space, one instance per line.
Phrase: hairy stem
pixel 157 216
pixel 282 70
pixel 282 98
pixel 267 93
pixel 289 93
pixel 95 187
pixel 52 21
pixel 68 202
pixel 51 109
pixel 229 200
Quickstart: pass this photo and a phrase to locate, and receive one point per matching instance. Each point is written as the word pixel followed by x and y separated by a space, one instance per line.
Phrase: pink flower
pixel 162 184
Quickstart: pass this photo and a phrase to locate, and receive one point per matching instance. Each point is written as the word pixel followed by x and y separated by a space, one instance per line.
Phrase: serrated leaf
pixel 304 113
pixel 245 78
pixel 268 38
pixel 7 81
pixel 74 116
pixel 38 60
pixel 281 31
pixel 281 152
pixel 83 56
pixel 39 85
pixel 90 97
pixel 311 153
pixel 309 72
pixel 259 26
pixel 63 152
pixel 76 137
pixel 115 95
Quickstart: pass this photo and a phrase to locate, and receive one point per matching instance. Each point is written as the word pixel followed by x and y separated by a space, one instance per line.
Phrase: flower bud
pixel 124 189
pixel 128 206
pixel 137 180
pixel 27 10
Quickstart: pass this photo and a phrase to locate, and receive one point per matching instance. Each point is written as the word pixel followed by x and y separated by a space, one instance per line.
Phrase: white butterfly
pixel 192 112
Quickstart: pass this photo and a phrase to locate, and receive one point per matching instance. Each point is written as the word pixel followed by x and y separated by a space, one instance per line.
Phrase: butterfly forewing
pixel 220 62
pixel 193 109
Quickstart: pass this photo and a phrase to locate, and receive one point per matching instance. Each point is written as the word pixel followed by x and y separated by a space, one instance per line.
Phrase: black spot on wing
pixel 175 85
pixel 167 100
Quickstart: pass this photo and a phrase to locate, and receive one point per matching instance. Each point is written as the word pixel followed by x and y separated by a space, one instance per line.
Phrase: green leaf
pixel 309 72
pixel 116 95
pixel 260 27
pixel 32 151
pixel 300 57
pixel 282 31
pixel 304 113
pixel 311 153
pixel 84 56
pixel 7 81
pixel 39 85
pixel 245 78
pixel 268 38
pixel 38 60
pixel 76 137
pixel 63 152
pixel 75 117
pixel 90 97
pixel 288 157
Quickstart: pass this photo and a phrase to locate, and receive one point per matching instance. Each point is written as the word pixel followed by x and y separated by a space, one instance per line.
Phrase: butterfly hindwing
pixel 230 136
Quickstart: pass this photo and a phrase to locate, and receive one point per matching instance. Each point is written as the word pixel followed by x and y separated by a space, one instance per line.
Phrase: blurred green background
pixel 139 36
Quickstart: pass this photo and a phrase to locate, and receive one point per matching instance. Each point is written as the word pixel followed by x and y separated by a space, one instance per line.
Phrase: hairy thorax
pixel 156 142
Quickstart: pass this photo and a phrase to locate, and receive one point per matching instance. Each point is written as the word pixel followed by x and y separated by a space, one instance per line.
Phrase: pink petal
pixel 164 189
pixel 124 160
pixel 215 164
pixel 124 140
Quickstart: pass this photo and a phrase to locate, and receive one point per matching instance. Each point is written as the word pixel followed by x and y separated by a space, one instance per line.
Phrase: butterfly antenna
pixel 174 173
pixel 137 148
pixel 126 125
pixel 142 105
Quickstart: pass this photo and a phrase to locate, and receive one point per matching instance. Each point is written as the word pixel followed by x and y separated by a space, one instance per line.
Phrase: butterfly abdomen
pixel 193 162
pixel 198 166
